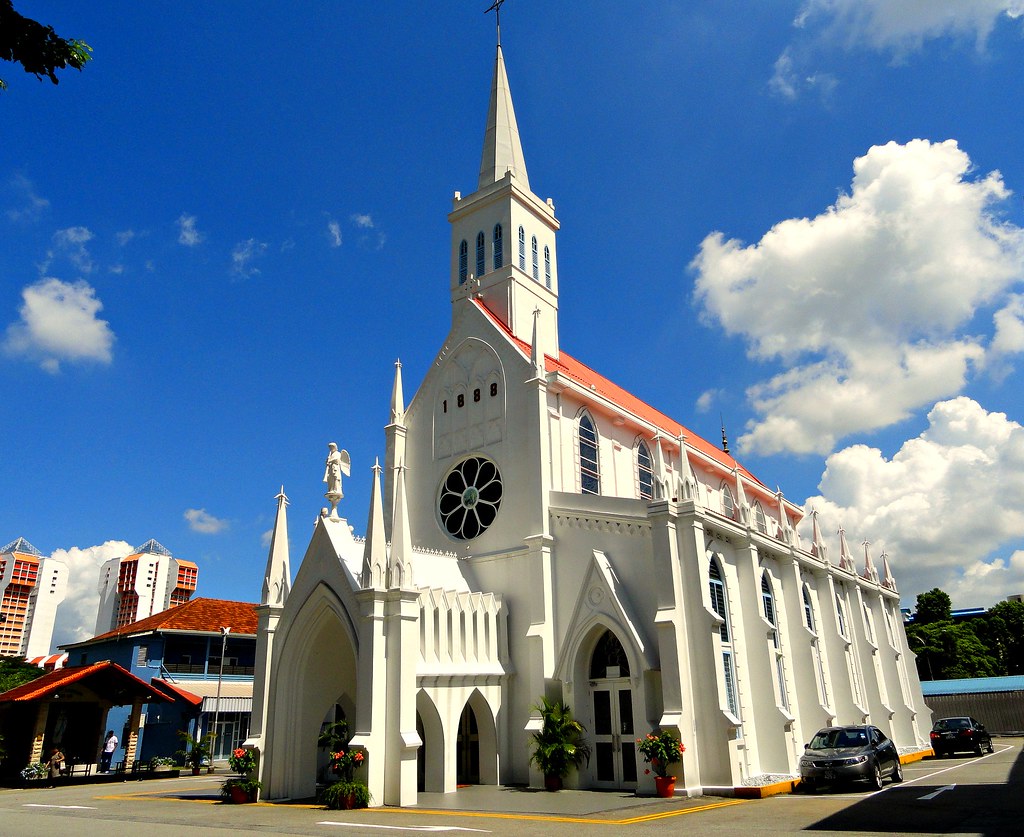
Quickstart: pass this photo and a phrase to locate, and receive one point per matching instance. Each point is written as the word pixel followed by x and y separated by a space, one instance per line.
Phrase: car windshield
pixel 952 723
pixel 829 739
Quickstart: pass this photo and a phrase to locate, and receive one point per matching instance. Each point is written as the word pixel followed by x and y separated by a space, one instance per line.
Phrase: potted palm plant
pixel 196 751
pixel 559 745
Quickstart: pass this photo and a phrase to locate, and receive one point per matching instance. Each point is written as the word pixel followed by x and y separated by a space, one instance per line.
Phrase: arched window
pixel 768 599
pixel 479 254
pixel 841 616
pixel 808 610
pixel 522 249
pixel 644 471
pixel 590 471
pixel 728 504
pixel 759 519
pixel 499 249
pixel 718 604
pixel 547 266
pixel 609 654
pixel 717 590
pixel 536 269
pixel 463 261
pixel 869 625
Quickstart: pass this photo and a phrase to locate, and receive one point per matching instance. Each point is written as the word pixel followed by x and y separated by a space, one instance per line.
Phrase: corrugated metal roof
pixel 973 685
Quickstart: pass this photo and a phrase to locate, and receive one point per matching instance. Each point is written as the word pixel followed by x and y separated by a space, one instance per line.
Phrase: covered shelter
pixel 68 708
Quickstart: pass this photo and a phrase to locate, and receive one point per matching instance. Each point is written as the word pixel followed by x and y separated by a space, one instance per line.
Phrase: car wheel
pixel 897 773
pixel 978 749
pixel 875 779
pixel 991 749
pixel 808 787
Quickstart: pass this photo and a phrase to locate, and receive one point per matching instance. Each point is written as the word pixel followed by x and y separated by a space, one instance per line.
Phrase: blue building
pixel 202 653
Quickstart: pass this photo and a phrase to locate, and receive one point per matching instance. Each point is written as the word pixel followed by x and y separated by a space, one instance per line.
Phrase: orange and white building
pixel 148 581
pixel 31 588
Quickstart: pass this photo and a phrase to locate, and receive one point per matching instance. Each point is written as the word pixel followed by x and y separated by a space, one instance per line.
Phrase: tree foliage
pixel 933 606
pixel 38 49
pixel 14 671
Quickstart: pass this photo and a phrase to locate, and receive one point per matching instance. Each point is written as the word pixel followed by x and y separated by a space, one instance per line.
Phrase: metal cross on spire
pixel 496 8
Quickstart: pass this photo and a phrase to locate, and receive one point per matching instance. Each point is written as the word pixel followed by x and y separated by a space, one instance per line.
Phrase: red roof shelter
pixel 68 709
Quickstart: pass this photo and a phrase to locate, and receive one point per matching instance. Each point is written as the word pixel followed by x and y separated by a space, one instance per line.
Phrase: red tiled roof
pixel 198 615
pixel 104 675
pixel 595 382
pixel 174 688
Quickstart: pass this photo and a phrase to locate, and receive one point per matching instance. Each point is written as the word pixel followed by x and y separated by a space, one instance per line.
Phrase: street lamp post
pixel 220 680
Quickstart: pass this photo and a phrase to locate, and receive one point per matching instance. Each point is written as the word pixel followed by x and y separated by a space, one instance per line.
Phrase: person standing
pixel 54 765
pixel 109 748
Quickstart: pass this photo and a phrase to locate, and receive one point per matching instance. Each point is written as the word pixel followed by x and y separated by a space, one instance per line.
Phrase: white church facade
pixel 536 530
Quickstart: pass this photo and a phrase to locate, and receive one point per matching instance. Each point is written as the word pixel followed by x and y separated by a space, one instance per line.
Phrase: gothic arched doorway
pixel 467 749
pixel 614 764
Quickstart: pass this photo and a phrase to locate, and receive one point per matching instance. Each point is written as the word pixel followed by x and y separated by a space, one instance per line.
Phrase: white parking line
pixel 69 807
pixel 431 828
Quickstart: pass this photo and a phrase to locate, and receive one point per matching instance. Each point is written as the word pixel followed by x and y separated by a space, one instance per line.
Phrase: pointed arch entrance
pixel 476 744
pixel 317 673
pixel 611 697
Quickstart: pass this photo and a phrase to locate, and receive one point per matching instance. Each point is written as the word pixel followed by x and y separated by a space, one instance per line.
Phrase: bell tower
pixel 503 235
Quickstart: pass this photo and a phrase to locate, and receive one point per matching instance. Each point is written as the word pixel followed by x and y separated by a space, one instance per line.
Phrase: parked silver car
pixel 849 754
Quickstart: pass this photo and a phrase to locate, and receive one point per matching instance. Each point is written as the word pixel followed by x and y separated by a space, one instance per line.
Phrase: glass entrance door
pixel 614 741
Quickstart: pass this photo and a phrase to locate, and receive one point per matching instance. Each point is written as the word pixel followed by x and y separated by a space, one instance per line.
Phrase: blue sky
pixel 804 217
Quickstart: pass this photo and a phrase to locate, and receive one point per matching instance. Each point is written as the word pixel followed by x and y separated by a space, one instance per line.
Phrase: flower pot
pixel 552 782
pixel 665 786
pixel 196 771
pixel 238 795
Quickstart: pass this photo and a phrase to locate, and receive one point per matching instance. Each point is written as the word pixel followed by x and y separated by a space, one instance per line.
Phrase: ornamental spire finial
pixel 496 8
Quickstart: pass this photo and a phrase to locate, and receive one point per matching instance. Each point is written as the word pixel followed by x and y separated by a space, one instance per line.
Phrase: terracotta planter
pixel 196 771
pixel 552 782
pixel 665 786
pixel 238 795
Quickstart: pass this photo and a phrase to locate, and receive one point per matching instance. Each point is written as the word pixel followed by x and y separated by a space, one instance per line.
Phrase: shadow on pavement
pixel 992 810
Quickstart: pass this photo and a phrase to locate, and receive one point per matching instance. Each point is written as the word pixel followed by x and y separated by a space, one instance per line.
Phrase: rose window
pixel 470 497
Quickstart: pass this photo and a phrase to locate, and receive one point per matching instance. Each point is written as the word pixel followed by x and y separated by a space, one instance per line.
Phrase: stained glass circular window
pixel 470 497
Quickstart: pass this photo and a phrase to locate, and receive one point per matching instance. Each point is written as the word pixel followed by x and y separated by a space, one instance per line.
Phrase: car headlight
pixel 855 760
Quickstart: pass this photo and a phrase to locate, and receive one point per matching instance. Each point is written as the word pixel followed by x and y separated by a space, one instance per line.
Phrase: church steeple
pixel 503 150
pixel 503 235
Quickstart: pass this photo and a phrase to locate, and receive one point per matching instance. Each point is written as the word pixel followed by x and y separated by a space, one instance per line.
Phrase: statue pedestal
pixel 334 497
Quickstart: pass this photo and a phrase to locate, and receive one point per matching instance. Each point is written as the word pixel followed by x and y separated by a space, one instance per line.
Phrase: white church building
pixel 542 532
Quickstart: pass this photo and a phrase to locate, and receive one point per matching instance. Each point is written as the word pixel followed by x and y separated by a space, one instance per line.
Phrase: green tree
pixel 38 49
pixel 933 606
pixel 14 671
pixel 1005 636
pixel 950 650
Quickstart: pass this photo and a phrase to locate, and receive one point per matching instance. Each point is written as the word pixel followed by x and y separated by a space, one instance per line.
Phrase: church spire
pixel 503 150
pixel 375 549
pixel 277 582
pixel 397 398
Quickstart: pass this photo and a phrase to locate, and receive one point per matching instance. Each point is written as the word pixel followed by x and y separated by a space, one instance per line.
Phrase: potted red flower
pixel 661 750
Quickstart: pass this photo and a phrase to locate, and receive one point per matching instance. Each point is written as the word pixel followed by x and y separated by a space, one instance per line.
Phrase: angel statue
pixel 338 463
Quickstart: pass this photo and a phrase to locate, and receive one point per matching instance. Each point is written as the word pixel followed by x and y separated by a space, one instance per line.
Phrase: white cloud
pixel 942 507
pixel 32 205
pixel 199 520
pixel 76 615
pixel 69 244
pixel 244 254
pixel 266 538
pixel 124 237
pixel 363 221
pixel 187 232
pixel 707 399
pixel 870 305
pixel 830 28
pixel 902 27
pixel 334 233
pixel 58 323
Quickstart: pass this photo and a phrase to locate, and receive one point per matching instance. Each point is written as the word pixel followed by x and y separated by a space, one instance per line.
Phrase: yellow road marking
pixel 175 796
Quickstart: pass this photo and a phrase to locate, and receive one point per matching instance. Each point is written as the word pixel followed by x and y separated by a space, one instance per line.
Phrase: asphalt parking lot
pixel 961 795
